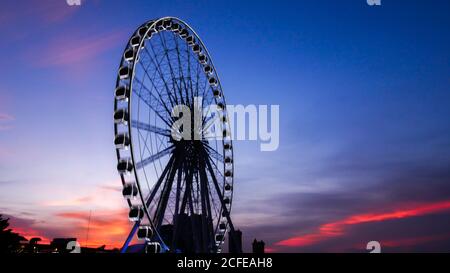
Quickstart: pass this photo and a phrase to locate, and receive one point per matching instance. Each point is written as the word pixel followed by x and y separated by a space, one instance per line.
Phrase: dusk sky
pixel 364 95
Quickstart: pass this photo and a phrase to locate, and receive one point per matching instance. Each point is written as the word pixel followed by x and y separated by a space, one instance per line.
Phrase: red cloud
pixel 29 233
pixel 337 228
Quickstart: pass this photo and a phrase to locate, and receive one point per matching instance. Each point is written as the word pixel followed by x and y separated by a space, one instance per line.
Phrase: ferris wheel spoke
pixel 204 213
pixel 180 71
pixel 197 80
pixel 146 148
pixel 183 73
pixel 198 83
pixel 178 189
pixel 149 199
pixel 177 205
pixel 154 157
pixel 187 191
pixel 213 153
pixel 174 81
pixel 207 116
pixel 209 120
pixel 205 87
pixel 149 100
pixel 219 193
pixel 215 208
pixel 194 225
pixel 189 72
pixel 158 69
pixel 150 128
pixel 152 81
pixel 145 141
pixel 206 206
pixel 161 100
pixel 208 154
pixel 205 84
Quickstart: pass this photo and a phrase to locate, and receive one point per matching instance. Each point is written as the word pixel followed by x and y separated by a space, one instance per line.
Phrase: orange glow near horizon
pixel 337 228
pixel 108 228
pixel 28 233
pixel 111 227
pixel 105 228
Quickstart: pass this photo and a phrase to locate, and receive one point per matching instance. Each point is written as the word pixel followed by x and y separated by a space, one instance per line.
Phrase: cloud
pixel 112 188
pixel 47 12
pixel 103 210
pixel 68 202
pixel 99 227
pixel 103 196
pixel 7 182
pixel 5 121
pixel 6 117
pixel 357 186
pixel 108 227
pixel 75 49
pixel 25 227
pixel 338 228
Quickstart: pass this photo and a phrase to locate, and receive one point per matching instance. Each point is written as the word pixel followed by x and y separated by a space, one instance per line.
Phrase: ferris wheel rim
pixel 151 25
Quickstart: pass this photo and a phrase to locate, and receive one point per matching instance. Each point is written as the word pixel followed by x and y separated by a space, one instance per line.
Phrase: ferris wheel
pixel 179 191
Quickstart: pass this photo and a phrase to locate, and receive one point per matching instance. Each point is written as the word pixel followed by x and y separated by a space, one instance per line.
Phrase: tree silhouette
pixel 9 241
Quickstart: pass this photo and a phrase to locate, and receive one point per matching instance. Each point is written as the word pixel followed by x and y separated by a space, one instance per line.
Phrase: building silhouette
pixel 60 244
pixel 258 246
pixel 235 242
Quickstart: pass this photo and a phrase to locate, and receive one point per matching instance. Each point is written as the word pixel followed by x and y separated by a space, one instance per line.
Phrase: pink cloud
pixel 6 117
pixel 54 11
pixel 75 49
pixel 69 202
pixel 103 196
pixel 5 121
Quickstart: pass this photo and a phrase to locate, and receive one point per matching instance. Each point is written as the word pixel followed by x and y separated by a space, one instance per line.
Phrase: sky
pixel 364 95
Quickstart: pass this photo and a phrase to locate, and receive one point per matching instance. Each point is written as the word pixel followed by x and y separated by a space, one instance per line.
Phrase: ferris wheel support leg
pixel 162 204
pixel 177 207
pixel 160 180
pixel 149 200
pixel 129 238
pixel 188 195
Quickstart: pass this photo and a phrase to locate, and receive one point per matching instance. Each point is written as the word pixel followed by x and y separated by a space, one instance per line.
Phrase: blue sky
pixel 364 101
